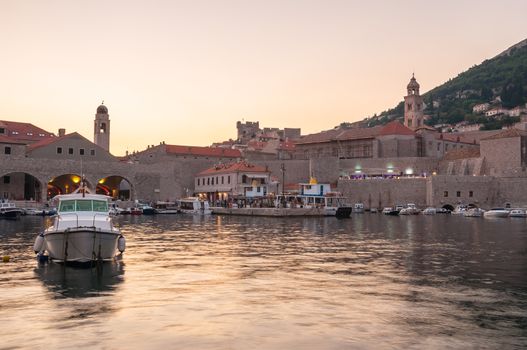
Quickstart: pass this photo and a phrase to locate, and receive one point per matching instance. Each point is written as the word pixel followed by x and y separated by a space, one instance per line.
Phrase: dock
pixel 269 211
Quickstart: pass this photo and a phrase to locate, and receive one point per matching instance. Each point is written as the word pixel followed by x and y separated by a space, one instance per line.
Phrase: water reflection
pixel 81 282
pixel 372 281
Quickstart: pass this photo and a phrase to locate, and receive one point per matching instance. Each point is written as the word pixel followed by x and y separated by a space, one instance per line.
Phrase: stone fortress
pixel 378 166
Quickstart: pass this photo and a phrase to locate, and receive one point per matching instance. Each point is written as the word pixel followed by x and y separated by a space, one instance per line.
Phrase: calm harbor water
pixel 370 282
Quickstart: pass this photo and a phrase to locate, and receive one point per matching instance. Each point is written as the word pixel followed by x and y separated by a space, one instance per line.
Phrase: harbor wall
pixel 380 193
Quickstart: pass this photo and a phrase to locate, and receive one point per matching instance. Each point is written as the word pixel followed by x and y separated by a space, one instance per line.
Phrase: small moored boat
pixel 518 213
pixel 474 213
pixel 430 211
pixel 9 210
pixel 194 205
pixel 496 213
pixel 82 231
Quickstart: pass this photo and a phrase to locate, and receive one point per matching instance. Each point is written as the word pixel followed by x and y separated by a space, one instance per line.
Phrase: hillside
pixel 502 77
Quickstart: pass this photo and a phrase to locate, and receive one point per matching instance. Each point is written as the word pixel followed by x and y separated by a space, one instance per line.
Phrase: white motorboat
pixel 430 211
pixel 194 205
pixel 166 208
pixel 9 210
pixel 391 211
pixel 82 231
pixel 374 210
pixel 474 213
pixel 459 209
pixel 410 209
pixel 496 213
pixel 518 213
pixel 358 208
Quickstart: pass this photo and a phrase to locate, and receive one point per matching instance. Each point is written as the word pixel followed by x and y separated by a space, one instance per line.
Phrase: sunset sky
pixel 184 72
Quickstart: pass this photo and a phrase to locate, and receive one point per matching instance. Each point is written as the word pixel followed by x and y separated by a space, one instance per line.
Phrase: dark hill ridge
pixel 503 77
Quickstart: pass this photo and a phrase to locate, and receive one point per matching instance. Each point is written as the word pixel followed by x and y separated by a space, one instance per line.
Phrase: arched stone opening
pixel 115 186
pixel 448 207
pixel 20 186
pixel 64 184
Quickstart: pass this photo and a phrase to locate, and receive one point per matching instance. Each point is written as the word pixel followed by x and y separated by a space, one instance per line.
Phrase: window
pixel 70 150
pixel 229 179
pixel 7 179
pixel 7 150
pixel 208 181
pixel 222 180
pixel 258 189
pixel 92 152
pixel 438 146
pixel 212 182
pixel 14 133
pixel 41 135
pixel 81 151
pixel 29 134
pixel 458 194
pixel 471 193
pixel 198 182
pixel 2 130
pixel 59 150
pixel 445 194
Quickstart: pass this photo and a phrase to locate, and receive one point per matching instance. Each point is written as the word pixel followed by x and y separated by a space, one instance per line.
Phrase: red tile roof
pixel 396 128
pixel 24 131
pixel 237 167
pixel 287 145
pixel 340 135
pixel 457 137
pixel 50 140
pixel 203 151
pixel 5 139
pixel 507 134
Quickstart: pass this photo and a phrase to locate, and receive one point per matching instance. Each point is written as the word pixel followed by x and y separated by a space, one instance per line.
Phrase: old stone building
pixel 233 180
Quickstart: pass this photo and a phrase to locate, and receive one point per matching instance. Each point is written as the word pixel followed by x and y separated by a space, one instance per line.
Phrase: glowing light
pixel 101 181
pixel 409 171
pixel 434 173
pixel 390 171
pixel 75 179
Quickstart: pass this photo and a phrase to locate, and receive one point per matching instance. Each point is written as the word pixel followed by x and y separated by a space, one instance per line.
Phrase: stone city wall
pixel 380 193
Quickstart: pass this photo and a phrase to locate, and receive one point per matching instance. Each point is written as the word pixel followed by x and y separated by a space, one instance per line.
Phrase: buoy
pixel 39 242
pixel 6 258
pixel 121 243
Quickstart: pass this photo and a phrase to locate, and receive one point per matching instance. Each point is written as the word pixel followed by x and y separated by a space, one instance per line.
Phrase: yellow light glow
pixel 75 179
pixel 101 181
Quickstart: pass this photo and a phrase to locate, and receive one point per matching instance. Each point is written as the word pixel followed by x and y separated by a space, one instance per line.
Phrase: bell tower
pixel 413 106
pixel 101 132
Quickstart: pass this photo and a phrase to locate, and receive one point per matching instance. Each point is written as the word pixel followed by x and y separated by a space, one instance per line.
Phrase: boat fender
pixel 39 243
pixel 121 243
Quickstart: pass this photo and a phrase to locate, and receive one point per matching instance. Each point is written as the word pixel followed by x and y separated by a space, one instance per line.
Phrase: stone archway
pixel 63 184
pixel 115 186
pixel 20 186
pixel 448 207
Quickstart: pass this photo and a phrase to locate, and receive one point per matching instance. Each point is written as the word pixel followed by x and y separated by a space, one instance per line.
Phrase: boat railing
pixel 59 216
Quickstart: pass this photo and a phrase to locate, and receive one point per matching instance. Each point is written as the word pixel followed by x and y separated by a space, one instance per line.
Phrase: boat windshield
pixel 72 205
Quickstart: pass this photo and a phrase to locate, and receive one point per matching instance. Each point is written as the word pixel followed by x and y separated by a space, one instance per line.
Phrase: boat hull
pixel 11 214
pixel 81 245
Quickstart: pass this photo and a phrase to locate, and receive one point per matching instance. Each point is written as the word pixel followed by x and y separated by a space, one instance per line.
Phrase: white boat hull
pixel 81 245
pixel 196 211
pixel 496 214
